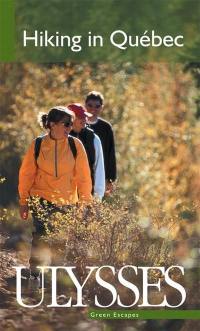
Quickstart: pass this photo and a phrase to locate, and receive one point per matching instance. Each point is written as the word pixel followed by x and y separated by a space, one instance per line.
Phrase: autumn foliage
pixel 151 109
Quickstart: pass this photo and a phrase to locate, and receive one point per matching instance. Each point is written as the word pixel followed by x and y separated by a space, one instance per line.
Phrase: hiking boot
pixel 35 274
pixel 26 273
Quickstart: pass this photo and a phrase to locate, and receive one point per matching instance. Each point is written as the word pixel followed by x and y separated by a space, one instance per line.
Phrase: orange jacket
pixel 56 176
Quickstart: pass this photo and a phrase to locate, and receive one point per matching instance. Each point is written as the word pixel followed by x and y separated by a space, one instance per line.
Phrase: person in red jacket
pixel 93 148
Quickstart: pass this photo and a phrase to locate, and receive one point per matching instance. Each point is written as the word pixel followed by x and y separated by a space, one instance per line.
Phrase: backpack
pixel 86 136
pixel 38 142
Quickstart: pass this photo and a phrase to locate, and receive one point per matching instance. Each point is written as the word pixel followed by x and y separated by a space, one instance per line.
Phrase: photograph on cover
pixel 99 165
pixel 148 219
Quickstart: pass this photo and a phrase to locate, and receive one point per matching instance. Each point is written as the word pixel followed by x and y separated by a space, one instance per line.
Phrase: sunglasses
pixel 67 123
pixel 93 106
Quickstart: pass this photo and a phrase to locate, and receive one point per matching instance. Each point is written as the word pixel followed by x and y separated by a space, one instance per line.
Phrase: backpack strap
pixel 38 142
pixel 72 146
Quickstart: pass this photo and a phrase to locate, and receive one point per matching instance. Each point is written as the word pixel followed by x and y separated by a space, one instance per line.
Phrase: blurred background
pixel 154 110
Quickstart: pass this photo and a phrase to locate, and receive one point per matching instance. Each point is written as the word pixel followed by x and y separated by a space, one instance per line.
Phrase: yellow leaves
pixel 151 132
pixel 144 222
pixel 30 93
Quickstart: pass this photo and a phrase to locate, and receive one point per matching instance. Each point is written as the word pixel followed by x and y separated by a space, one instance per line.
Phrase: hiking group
pixel 74 162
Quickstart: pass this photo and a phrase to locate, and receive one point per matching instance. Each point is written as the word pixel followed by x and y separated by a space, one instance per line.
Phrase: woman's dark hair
pixel 94 95
pixel 56 114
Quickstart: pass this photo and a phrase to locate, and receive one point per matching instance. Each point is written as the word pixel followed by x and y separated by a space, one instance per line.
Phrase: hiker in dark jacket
pixel 93 148
pixel 94 105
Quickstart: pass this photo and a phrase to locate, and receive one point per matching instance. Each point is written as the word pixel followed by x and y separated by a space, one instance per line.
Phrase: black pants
pixel 42 252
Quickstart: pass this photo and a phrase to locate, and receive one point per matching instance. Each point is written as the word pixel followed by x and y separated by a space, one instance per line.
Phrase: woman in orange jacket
pixel 57 174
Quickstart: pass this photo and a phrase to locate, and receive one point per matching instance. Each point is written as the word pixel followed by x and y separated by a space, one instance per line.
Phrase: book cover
pixel 131 262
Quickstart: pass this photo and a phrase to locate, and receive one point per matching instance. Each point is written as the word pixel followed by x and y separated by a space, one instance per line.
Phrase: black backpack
pixel 38 142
